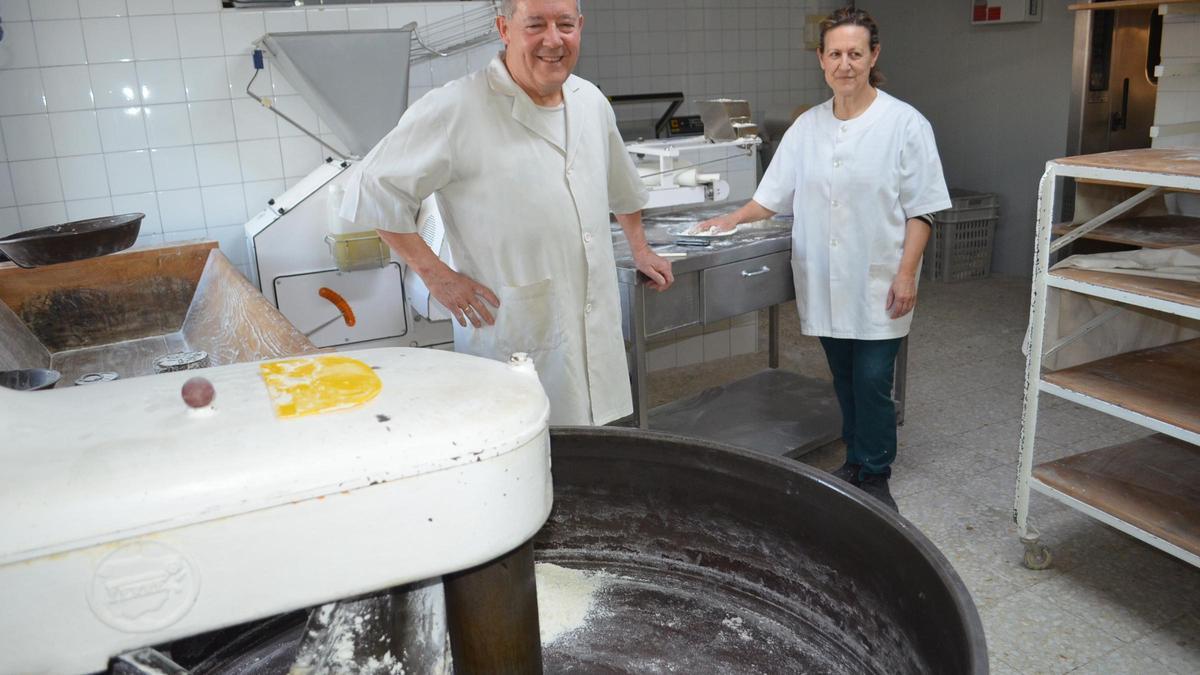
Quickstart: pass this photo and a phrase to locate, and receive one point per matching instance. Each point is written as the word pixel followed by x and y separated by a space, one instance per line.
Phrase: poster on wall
pixel 993 12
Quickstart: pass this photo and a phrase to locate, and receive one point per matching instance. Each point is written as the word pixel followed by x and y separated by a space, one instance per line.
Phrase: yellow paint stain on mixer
pixel 312 385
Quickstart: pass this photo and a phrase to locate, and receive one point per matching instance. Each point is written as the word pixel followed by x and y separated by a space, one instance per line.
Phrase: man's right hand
pixel 465 298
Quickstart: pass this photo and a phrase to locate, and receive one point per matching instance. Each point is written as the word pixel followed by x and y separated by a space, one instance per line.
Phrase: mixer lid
pixel 357 81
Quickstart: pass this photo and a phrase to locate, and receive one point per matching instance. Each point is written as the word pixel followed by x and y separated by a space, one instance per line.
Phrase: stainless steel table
pixel 774 411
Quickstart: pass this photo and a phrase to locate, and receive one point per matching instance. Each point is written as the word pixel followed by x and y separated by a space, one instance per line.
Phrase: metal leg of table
pixel 492 615
pixel 773 336
pixel 900 384
pixel 637 357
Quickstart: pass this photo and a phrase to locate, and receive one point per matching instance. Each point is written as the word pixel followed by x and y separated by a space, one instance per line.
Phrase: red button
pixel 993 14
pixel 980 13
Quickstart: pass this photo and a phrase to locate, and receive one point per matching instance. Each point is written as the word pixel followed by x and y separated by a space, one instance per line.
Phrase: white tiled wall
pixel 111 106
pixel 749 49
pixel 131 84
pixel 1179 97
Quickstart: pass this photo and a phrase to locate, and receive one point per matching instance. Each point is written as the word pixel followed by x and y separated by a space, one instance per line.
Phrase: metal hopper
pixel 357 81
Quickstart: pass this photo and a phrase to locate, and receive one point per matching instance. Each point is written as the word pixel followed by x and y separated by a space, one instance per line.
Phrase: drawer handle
pixel 764 270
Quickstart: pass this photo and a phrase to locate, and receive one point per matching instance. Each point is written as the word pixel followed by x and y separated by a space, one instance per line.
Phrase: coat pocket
pixel 527 320
pixel 879 284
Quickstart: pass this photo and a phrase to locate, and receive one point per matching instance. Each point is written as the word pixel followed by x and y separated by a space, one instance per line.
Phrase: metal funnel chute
pixel 357 81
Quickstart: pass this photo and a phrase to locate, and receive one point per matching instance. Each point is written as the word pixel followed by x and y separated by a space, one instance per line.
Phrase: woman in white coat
pixel 861 174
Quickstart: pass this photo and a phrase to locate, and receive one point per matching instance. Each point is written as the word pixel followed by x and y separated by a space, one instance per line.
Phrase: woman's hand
pixel 656 268
pixel 718 224
pixel 902 296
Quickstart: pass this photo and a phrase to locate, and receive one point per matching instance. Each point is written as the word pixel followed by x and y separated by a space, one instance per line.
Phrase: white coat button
pixel 833 243
pixel 587 237
pixel 837 164
pixel 834 204
pixel 587 308
pixel 843 129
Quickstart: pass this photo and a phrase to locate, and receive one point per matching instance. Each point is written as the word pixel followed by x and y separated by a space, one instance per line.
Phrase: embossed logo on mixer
pixel 143 587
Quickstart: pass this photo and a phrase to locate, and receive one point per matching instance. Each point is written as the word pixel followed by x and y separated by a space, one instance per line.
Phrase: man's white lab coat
pixel 524 217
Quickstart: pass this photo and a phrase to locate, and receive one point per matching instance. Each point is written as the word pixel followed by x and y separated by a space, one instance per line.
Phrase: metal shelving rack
pixel 1146 488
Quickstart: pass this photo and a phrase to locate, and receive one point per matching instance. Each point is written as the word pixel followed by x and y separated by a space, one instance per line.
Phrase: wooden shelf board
pixel 1124 4
pixel 1185 293
pixel 1126 184
pixel 1152 483
pixel 1146 232
pixel 1162 383
pixel 1184 162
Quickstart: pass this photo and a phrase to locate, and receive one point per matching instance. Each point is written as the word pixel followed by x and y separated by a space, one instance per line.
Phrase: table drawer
pixel 747 285
pixel 675 308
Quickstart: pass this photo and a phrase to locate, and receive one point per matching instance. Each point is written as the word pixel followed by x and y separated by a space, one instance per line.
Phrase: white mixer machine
pixel 147 519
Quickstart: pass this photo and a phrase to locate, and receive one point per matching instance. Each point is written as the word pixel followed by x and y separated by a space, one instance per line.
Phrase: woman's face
pixel 848 59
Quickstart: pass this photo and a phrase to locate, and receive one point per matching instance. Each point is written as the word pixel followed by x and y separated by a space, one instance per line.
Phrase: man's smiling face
pixel 542 46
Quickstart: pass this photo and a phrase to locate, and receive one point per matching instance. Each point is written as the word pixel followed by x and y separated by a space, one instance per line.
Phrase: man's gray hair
pixel 509 7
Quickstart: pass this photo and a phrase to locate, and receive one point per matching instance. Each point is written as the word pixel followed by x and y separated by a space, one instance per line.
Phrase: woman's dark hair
pixel 850 16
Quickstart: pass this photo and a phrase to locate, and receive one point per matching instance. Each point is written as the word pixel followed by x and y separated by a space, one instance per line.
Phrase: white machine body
pixel 290 261
pixel 144 520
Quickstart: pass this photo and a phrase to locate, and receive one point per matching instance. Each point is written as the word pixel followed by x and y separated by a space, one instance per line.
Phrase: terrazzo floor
pixel 1109 604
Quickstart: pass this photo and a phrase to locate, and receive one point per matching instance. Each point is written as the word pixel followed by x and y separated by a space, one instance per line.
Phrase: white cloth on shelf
pixel 1129 328
pixel 1181 262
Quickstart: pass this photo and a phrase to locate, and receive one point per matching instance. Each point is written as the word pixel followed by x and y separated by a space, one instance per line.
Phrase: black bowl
pixel 76 240
pixel 29 379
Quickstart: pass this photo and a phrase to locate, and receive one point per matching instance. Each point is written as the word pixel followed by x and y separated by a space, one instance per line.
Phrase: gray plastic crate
pixel 960 246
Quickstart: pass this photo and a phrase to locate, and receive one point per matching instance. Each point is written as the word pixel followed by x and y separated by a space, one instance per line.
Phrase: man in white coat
pixel 527 164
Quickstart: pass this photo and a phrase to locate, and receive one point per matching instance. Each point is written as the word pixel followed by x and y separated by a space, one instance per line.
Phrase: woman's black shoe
pixel 847 472
pixel 876 485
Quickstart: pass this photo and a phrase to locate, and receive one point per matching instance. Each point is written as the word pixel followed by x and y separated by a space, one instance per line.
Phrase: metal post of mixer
pixel 492 615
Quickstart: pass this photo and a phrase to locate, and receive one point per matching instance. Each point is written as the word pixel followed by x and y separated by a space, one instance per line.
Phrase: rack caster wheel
pixel 1037 557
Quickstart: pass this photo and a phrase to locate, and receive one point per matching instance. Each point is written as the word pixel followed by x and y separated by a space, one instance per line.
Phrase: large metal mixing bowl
pixel 719 560
pixel 709 559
